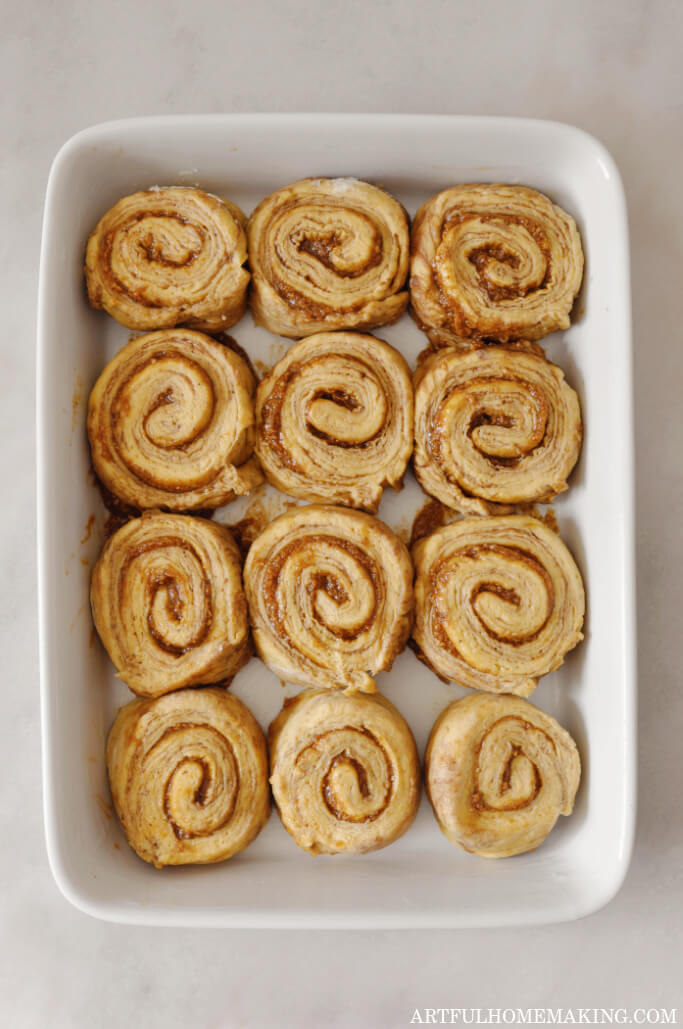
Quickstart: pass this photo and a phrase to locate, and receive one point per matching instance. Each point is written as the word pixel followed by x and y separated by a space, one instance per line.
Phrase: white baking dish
pixel 422 880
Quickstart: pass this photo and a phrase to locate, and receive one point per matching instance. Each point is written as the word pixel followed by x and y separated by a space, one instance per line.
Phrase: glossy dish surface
pixel 421 880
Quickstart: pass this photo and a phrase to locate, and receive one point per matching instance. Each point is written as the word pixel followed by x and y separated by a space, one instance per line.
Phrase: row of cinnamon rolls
pixel 189 774
pixel 495 262
pixel 176 420
pixel 332 596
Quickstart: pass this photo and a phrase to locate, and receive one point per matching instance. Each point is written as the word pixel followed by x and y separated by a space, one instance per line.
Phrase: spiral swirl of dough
pixel 494 425
pixel 345 771
pixel 499 773
pixel 499 602
pixel 335 419
pixel 494 262
pixel 171 423
pixel 328 254
pixel 167 602
pixel 189 776
pixel 167 257
pixel 330 597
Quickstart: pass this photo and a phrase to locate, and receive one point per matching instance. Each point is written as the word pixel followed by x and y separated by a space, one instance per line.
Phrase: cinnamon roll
pixel 494 425
pixel 189 776
pixel 166 257
pixel 345 771
pixel 499 773
pixel 499 602
pixel 335 419
pixel 494 262
pixel 167 602
pixel 330 597
pixel 328 254
pixel 171 423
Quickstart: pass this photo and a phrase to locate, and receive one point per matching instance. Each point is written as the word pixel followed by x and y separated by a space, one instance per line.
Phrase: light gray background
pixel 612 68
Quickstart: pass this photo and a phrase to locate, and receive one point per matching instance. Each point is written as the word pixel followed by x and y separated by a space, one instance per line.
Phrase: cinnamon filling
pixel 167 580
pixel 344 758
pixel 276 567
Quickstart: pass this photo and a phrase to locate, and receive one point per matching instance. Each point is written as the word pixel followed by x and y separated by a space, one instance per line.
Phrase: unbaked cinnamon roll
pixel 171 423
pixel 494 425
pixel 345 771
pixel 167 602
pixel 494 262
pixel 499 602
pixel 330 597
pixel 499 773
pixel 334 419
pixel 328 254
pixel 167 257
pixel 189 776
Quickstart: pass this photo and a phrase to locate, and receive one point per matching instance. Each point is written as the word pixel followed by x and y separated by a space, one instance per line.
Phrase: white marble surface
pixel 612 68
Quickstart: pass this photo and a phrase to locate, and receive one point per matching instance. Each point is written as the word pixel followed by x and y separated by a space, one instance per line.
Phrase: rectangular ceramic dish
pixel 422 880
